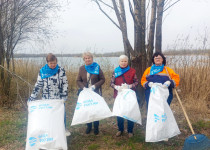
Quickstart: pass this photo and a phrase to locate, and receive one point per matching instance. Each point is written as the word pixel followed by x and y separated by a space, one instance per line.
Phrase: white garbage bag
pixel 126 106
pixel 46 129
pixel 90 107
pixel 161 123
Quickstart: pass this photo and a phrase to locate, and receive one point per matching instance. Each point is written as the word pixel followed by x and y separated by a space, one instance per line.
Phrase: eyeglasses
pixel 158 58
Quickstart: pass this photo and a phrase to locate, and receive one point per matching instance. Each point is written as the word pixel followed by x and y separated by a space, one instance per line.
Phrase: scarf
pixel 46 71
pixel 120 71
pixel 93 68
pixel 156 69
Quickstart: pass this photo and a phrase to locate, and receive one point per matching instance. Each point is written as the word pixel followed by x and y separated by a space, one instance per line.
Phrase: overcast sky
pixel 82 26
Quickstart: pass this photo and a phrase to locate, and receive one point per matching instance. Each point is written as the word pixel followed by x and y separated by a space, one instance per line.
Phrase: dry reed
pixel 194 87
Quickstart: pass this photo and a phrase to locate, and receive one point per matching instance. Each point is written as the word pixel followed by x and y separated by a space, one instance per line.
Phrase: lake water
pixel 73 63
pixel 109 63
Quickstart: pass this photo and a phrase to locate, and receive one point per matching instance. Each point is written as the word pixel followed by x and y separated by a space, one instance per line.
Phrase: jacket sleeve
pixel 144 81
pixel 174 77
pixel 112 80
pixel 64 85
pixel 38 86
pixel 135 82
pixel 80 80
pixel 101 79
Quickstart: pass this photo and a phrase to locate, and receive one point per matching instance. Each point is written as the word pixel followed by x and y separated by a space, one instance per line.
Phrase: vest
pixel 129 76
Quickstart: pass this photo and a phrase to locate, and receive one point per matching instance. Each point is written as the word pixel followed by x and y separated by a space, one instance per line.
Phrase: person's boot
pixel 88 130
pixel 119 133
pixel 130 135
pixel 67 132
pixel 96 131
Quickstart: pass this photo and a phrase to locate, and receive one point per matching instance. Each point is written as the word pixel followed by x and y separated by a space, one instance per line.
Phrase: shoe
pixel 96 131
pixel 119 133
pixel 130 135
pixel 68 133
pixel 88 130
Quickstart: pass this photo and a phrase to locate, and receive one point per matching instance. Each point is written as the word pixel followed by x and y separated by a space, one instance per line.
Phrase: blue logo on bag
pixel 89 102
pixel 41 106
pixel 153 89
pixel 156 117
pixel 32 141
pixel 129 119
pixel 45 106
pixel 43 138
pixel 78 105
pixel 126 94
pixel 32 108
pixel 162 117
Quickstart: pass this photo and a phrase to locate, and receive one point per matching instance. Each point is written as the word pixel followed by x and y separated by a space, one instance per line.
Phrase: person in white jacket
pixel 52 81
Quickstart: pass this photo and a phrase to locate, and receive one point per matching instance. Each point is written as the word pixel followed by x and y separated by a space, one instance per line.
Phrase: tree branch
pixel 96 1
pixel 171 5
pixel 131 10
pixel 117 13
pixel 106 4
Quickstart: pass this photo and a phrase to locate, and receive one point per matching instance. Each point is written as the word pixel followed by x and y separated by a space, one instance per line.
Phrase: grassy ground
pixel 13 131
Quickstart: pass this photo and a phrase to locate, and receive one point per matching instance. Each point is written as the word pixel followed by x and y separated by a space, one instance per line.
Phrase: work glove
pixel 93 87
pixel 118 88
pixel 30 99
pixel 126 86
pixel 84 88
pixel 150 84
pixel 166 84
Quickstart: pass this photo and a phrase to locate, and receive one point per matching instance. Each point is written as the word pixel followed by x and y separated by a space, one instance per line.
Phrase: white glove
pixel 126 86
pixel 150 84
pixel 166 84
pixel 118 88
pixel 92 87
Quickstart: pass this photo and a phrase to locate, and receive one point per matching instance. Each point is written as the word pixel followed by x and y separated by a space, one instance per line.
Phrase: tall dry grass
pixel 194 88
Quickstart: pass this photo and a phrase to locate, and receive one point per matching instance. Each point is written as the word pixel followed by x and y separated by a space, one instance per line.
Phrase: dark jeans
pixel 95 124
pixel 120 123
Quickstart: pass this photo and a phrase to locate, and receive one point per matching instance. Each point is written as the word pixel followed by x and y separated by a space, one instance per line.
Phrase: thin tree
pixel 140 55
pixel 21 21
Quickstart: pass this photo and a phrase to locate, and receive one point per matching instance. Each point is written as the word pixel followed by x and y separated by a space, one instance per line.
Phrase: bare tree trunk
pixel 1 60
pixel 158 44
pixel 123 26
pixel 150 45
pixel 2 50
pixel 127 46
pixel 8 79
pixel 13 62
pixel 140 57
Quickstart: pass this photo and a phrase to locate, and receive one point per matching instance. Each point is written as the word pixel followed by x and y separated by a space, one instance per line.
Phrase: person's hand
pixel 150 84
pixel 92 87
pixel 166 84
pixel 30 99
pixel 125 86
pixel 85 88
pixel 64 99
pixel 118 88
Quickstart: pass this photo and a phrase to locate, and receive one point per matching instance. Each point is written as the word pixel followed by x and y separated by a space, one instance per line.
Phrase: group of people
pixel 53 82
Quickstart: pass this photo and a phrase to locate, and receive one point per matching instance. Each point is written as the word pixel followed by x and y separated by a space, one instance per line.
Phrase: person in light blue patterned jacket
pixel 52 82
